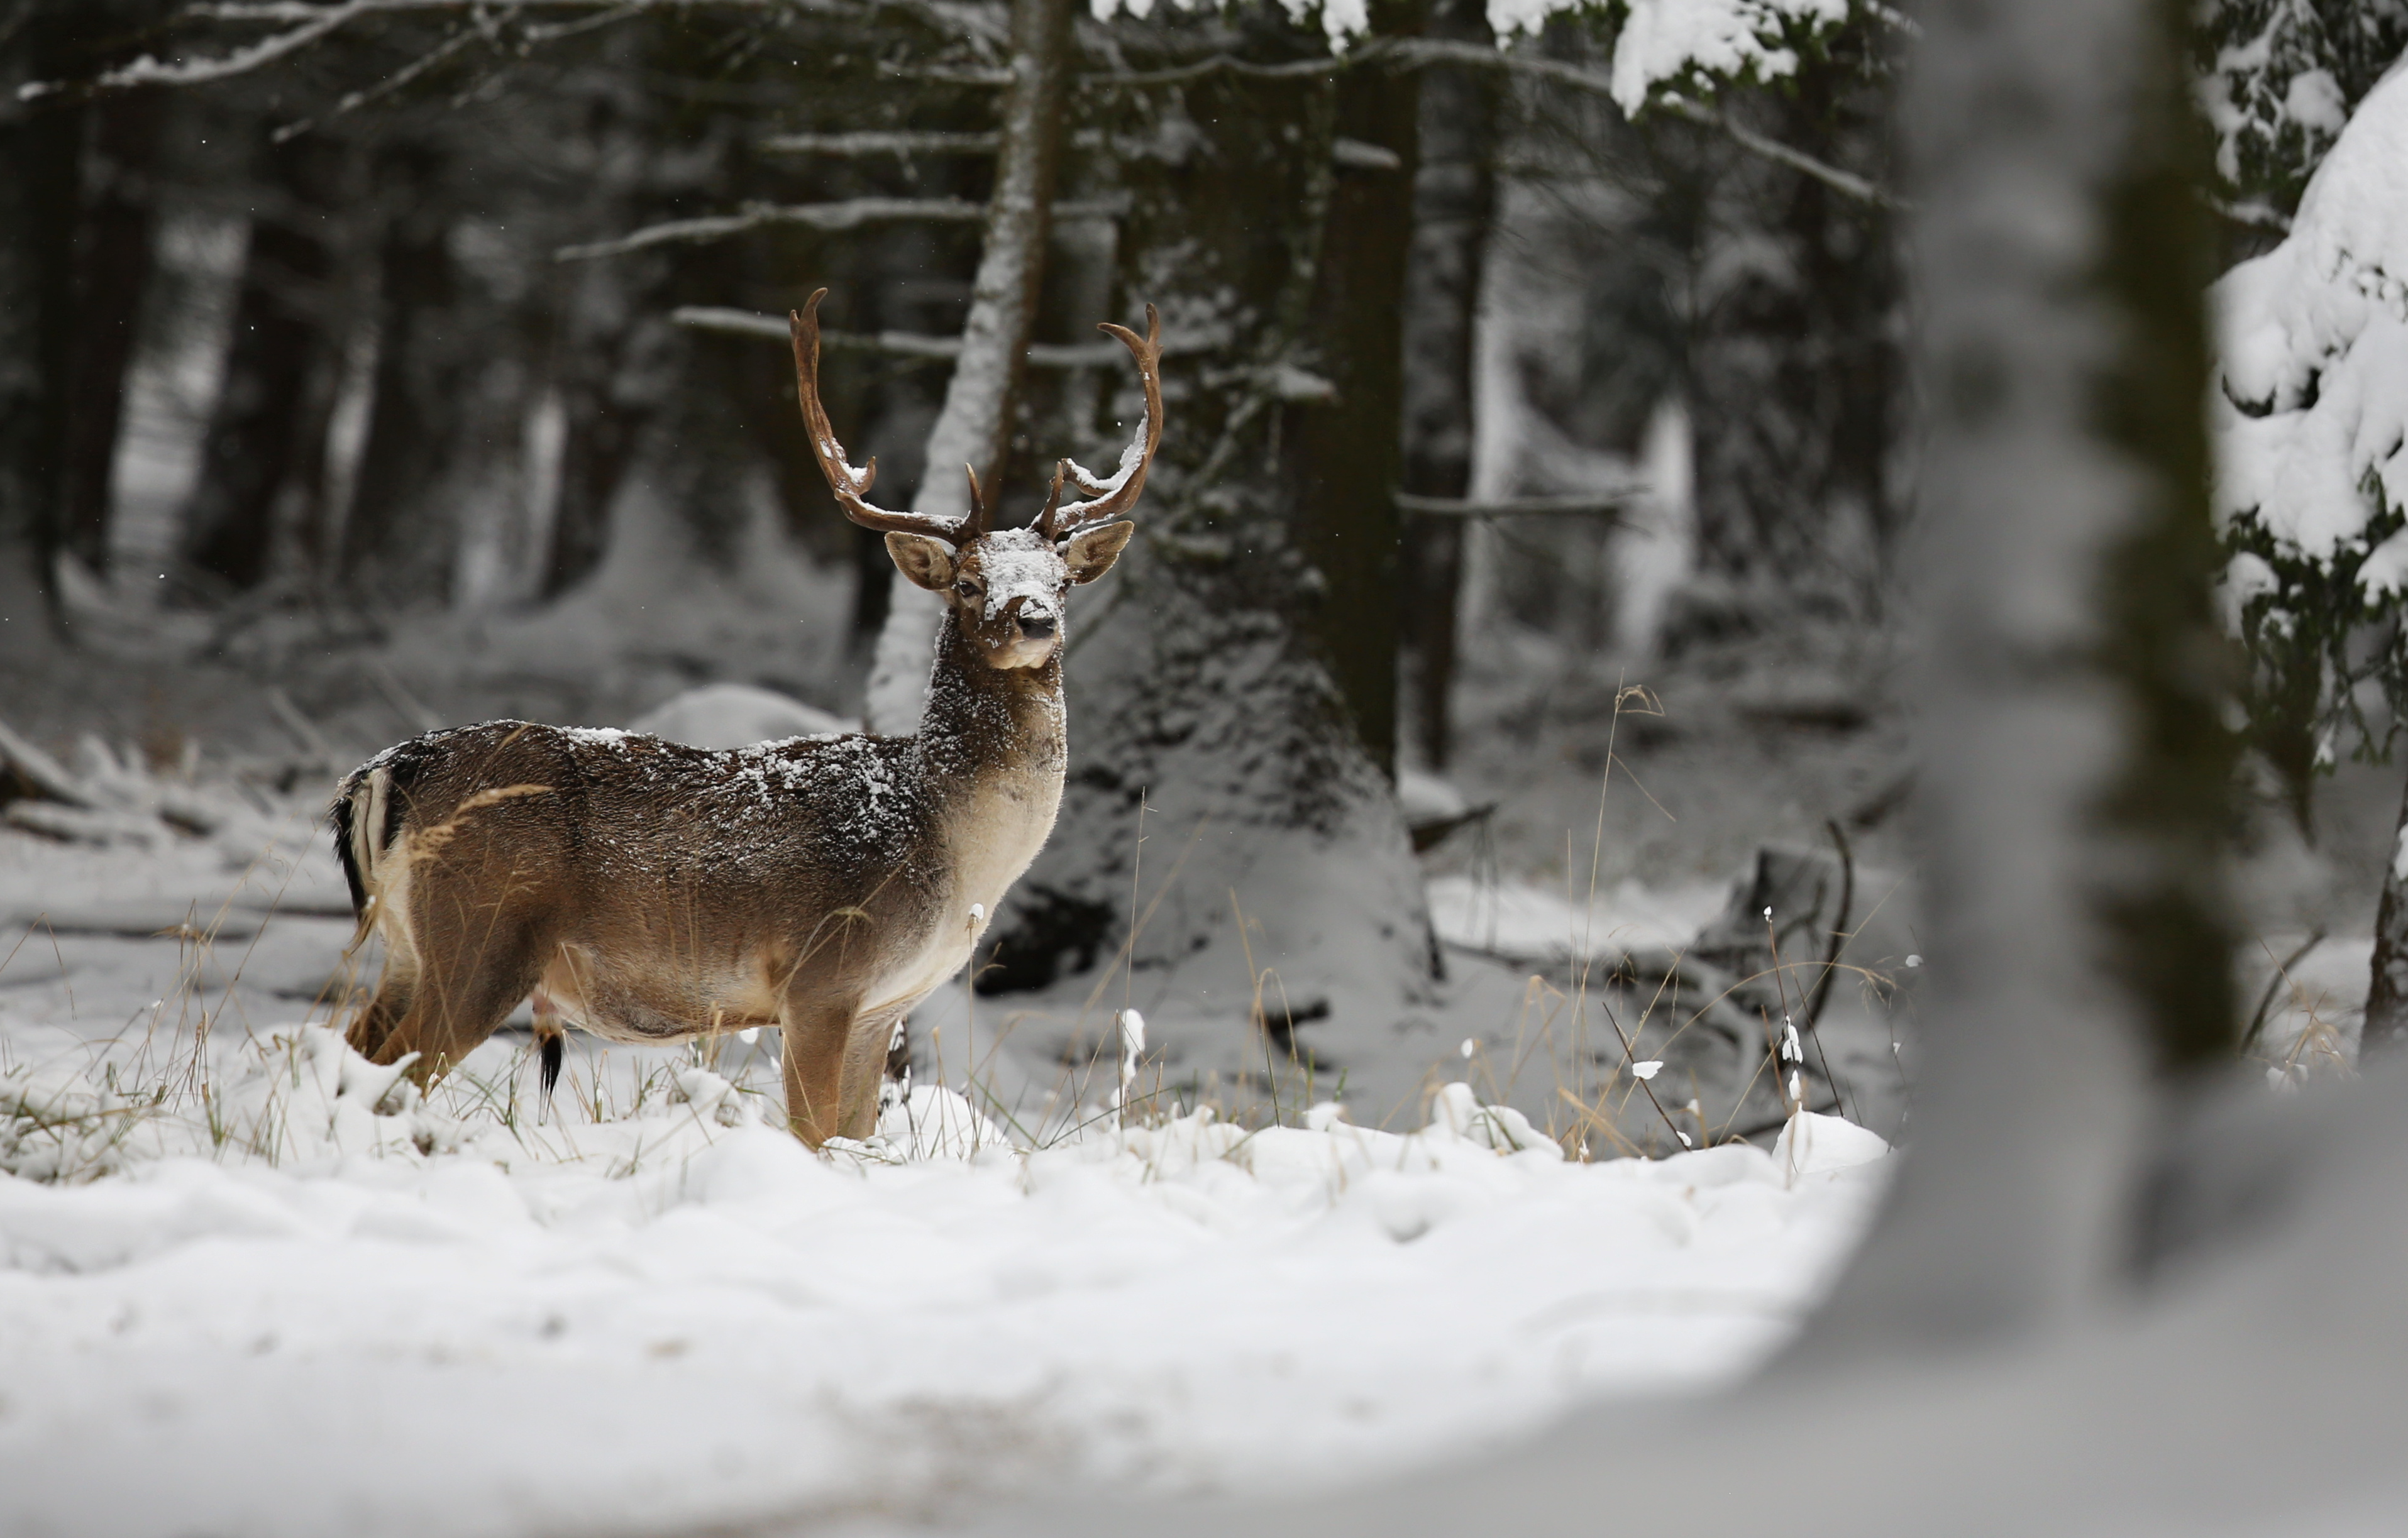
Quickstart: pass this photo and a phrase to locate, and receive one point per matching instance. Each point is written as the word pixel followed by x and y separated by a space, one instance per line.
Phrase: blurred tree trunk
pixel 976 416
pixel 1347 458
pixel 113 266
pixel 267 431
pixel 402 536
pixel 2077 774
pixel 39 143
pixel 1455 196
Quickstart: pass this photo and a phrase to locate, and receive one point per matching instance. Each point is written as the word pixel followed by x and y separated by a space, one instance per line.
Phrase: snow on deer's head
pixel 1006 587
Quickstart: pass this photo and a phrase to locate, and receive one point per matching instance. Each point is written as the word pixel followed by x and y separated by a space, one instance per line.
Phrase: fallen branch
pixel 47 775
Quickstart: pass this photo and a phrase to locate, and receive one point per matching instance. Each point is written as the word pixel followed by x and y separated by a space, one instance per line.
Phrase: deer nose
pixel 1036 627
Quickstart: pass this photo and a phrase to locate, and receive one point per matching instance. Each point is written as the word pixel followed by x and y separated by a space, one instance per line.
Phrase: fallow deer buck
pixel 649 892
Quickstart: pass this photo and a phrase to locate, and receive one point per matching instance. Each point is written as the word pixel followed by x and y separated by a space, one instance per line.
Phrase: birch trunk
pixel 1224 837
pixel 975 418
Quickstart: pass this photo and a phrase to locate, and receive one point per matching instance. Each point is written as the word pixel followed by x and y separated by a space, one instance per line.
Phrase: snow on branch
pixel 848 215
pixel 306 22
pixel 902 344
pixel 1609 504
pixel 2313 410
pixel 242 61
pixel 891 142
pixel 2310 421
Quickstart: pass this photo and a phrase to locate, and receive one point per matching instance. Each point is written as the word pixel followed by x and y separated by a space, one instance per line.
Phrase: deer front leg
pixel 864 1072
pixel 814 1036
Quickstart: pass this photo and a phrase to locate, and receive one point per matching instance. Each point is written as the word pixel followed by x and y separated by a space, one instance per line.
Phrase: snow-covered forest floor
pixel 303 1302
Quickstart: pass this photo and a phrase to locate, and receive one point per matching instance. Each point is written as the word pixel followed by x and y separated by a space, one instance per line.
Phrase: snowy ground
pixel 250 1287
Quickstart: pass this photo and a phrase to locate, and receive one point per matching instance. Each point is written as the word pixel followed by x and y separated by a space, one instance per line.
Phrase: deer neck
pixel 992 729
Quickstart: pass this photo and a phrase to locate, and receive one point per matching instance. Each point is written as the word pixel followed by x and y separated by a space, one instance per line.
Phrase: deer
pixel 646 891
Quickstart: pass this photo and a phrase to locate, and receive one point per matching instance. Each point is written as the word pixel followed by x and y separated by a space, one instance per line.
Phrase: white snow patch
pixel 2315 342
pixel 1821 1145
pixel 1516 919
pixel 272 1310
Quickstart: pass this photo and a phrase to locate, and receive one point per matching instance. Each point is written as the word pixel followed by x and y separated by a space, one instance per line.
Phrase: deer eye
pixel 966 587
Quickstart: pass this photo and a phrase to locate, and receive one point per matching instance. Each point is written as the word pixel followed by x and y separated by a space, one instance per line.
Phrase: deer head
pixel 1006 587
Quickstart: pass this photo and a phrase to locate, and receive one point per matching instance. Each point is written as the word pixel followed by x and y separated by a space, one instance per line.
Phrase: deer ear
pixel 1091 554
pixel 926 563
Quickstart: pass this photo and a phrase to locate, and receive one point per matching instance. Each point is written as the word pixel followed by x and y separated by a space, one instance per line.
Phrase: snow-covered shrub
pixel 2309 415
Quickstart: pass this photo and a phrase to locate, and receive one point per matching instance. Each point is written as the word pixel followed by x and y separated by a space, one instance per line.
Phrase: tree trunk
pixel 2387 992
pixel 39 155
pixel 2074 801
pixel 112 270
pixel 1219 799
pixel 975 418
pixel 1455 196
pixel 402 534
pixel 1796 389
pixel 267 432
pixel 1347 456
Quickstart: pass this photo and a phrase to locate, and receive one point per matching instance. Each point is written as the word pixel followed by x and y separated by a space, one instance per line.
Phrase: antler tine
pixel 977 523
pixel 1044 525
pixel 1115 496
pixel 850 484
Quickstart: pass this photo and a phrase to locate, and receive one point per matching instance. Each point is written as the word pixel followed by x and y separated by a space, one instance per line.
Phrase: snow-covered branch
pixel 306 23
pixel 1231 64
pixel 1846 182
pixel 891 344
pixel 891 142
pixel 1607 504
pixel 850 214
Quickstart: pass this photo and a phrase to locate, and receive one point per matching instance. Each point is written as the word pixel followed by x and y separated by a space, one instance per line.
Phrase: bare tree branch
pixel 893 142
pixel 1747 139
pixel 893 344
pixel 1422 51
pixel 1607 504
pixel 1231 64
pixel 306 23
pixel 850 214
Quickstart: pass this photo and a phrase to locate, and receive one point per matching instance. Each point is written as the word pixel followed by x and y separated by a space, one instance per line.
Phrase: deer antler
pixel 1114 496
pixel 851 485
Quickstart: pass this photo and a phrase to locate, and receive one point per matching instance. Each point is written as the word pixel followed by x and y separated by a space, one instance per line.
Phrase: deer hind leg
pixel 374 1025
pixel 462 994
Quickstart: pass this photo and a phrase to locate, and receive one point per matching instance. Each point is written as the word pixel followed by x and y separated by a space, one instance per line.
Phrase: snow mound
pixel 1821 1145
